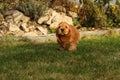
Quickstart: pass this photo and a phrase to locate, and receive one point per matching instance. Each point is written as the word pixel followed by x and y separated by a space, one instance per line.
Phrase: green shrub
pixel 90 15
pixel 51 31
pixel 113 15
pixel 5 6
pixel 33 8
pixel 76 22
pixel 69 5
pixel 54 3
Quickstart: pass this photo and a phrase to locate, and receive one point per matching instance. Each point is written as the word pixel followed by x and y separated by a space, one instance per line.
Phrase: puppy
pixel 67 36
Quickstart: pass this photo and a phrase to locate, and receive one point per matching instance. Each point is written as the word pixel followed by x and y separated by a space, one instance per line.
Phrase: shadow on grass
pixel 28 52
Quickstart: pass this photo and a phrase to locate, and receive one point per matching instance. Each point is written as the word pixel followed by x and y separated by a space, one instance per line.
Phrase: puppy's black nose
pixel 62 30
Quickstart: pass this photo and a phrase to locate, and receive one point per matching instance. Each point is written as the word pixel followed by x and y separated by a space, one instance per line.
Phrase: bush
pixel 54 3
pixel 90 15
pixel 113 15
pixel 7 4
pixel 4 6
pixel 76 22
pixel 69 5
pixel 33 8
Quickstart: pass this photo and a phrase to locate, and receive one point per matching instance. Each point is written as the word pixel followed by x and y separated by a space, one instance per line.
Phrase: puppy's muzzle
pixel 62 30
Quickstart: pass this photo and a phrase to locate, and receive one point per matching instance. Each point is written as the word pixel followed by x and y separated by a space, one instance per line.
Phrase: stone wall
pixel 14 22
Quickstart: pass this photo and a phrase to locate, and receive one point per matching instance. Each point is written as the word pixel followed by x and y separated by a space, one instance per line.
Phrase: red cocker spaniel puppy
pixel 67 36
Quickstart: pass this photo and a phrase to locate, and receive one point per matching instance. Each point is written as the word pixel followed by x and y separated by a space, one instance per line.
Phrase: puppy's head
pixel 63 28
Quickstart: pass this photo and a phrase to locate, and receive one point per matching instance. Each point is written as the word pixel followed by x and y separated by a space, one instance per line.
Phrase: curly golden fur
pixel 67 36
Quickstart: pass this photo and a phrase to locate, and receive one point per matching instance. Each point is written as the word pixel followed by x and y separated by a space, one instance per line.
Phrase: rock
pixel 43 19
pixel 16 16
pixel 4 23
pixel 42 38
pixel 19 33
pixel 24 27
pixel 4 26
pixel 31 28
pixel 54 25
pixel 72 14
pixel 57 18
pixel 1 33
pixel 25 19
pixel 13 27
pixel 8 12
pixel 93 33
pixel 13 16
pixel 43 30
pixel 1 17
pixel 53 18
pixel 30 34
pixel 52 15
pixel 9 19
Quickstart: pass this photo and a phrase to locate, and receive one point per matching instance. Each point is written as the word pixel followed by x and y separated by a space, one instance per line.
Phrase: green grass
pixel 95 59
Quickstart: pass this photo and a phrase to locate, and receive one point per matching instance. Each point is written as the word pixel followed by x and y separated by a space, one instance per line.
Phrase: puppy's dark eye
pixel 66 27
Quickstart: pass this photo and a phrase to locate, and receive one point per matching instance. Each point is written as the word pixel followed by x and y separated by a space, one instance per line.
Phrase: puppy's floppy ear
pixel 70 29
pixel 78 27
pixel 57 31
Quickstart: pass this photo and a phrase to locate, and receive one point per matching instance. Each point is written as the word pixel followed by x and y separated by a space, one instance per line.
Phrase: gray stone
pixel 53 18
pixel 30 34
pixel 42 29
pixel 13 27
pixel 9 19
pixel 25 19
pixel 24 27
pixel 72 14
pixel 17 16
pixel 42 38
pixel 56 18
pixel 52 37
pixel 43 19
pixel 31 28
pixel 19 34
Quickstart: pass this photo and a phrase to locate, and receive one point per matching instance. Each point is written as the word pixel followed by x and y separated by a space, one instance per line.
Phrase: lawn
pixel 95 59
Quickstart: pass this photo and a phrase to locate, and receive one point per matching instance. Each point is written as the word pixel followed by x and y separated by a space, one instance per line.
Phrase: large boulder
pixel 53 18
pixel 15 16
